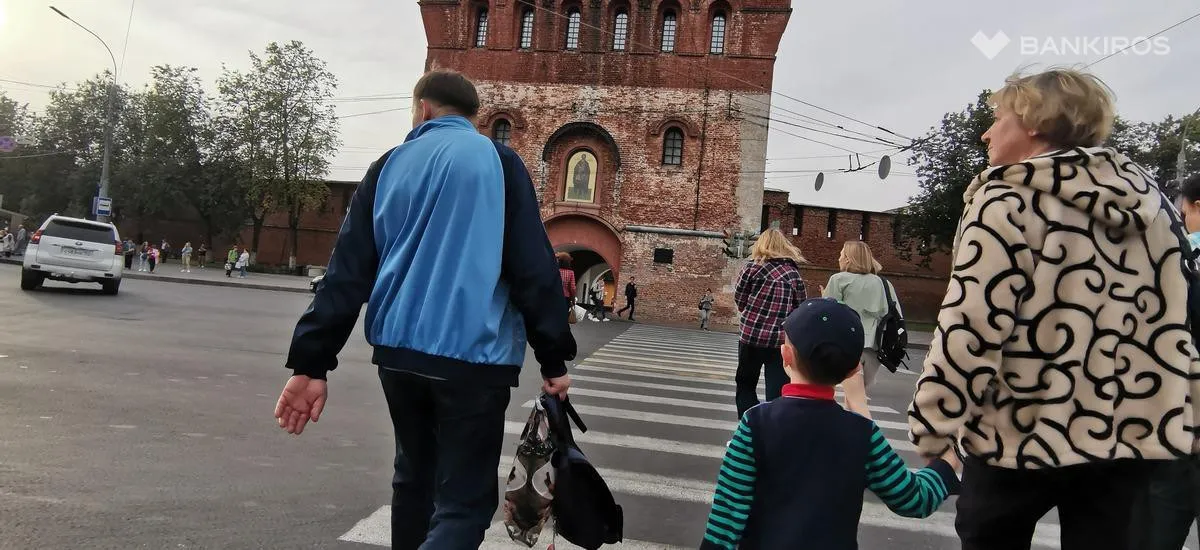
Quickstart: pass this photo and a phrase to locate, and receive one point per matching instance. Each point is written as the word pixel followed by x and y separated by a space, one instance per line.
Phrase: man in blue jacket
pixel 445 244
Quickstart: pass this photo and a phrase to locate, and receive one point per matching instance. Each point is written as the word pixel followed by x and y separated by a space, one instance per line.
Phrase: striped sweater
pixel 796 470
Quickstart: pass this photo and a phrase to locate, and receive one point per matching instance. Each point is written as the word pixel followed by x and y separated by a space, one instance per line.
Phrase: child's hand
pixel 951 457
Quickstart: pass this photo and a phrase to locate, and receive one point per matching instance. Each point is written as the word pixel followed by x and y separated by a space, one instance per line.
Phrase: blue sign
pixel 102 206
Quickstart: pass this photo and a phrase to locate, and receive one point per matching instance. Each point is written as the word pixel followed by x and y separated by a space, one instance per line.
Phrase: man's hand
pixel 303 398
pixel 557 386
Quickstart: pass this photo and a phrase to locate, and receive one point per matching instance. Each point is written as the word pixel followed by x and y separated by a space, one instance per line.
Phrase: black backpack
pixel 891 337
pixel 585 512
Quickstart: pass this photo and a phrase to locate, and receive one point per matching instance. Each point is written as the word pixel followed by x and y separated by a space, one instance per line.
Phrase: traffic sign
pixel 102 206
pixel 7 144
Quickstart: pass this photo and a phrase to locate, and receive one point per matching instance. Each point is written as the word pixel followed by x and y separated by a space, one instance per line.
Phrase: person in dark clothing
pixel 797 467
pixel 454 286
pixel 630 299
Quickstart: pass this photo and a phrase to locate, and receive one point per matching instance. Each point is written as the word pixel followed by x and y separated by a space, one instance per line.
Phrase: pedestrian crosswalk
pixel 659 406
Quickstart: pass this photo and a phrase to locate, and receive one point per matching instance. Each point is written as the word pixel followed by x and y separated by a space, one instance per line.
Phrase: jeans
pixel 999 507
pixel 1165 515
pixel 449 435
pixel 630 305
pixel 704 319
pixel 753 360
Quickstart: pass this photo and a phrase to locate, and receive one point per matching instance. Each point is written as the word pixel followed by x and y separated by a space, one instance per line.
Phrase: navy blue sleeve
pixel 327 323
pixel 531 271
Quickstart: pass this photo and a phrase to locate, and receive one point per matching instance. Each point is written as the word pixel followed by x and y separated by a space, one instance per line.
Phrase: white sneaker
pixel 606 319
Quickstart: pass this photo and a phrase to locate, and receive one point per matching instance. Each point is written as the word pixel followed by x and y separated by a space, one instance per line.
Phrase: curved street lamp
pixel 108 114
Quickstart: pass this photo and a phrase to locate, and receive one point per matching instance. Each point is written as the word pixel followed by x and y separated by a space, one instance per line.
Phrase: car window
pixel 79 231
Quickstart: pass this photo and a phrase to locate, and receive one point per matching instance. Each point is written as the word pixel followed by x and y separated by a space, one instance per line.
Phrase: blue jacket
pixel 444 242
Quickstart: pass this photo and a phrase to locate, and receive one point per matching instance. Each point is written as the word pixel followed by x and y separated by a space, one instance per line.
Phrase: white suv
pixel 74 250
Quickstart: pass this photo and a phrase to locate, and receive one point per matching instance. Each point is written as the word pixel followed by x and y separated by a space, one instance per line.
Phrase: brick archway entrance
pixel 595 249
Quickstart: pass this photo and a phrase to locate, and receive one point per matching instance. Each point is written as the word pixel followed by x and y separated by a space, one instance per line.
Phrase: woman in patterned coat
pixel 1062 357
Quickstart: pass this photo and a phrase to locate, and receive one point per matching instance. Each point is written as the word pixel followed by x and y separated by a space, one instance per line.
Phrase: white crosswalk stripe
pixel 657 397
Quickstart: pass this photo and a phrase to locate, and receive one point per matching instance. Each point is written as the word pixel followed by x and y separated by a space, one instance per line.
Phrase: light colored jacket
pixel 864 294
pixel 1063 338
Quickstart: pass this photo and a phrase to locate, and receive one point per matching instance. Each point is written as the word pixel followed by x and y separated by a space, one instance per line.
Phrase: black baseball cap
pixel 825 321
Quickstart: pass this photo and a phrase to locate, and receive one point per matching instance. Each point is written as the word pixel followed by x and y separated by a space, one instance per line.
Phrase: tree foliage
pixel 952 154
pixel 263 146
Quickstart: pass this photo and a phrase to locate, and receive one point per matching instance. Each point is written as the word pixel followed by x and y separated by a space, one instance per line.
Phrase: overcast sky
pixel 900 65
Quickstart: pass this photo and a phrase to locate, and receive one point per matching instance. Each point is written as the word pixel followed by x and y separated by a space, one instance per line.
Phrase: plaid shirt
pixel 766 293
pixel 568 281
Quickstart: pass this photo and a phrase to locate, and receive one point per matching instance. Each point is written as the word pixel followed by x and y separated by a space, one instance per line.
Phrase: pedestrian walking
pixel 154 255
pixel 859 286
pixel 447 379
pixel 202 253
pixel 768 289
pixel 568 279
pixel 630 299
pixel 231 258
pixel 706 303
pixel 8 243
pixel 22 239
pixel 243 261
pixel 797 467
pixel 186 257
pixel 1062 362
pixel 144 257
pixel 597 312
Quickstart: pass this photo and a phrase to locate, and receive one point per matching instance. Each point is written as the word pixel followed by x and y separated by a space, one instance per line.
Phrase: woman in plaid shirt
pixel 769 288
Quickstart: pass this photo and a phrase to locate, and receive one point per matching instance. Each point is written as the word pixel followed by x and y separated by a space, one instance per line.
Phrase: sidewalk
pixel 211 276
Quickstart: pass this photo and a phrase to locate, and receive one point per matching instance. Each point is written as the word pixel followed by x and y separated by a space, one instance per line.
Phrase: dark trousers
pixel 753 360
pixel 998 507
pixel 630 306
pixel 448 441
pixel 1164 519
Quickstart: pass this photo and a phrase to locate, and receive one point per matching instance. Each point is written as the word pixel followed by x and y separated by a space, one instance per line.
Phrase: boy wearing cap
pixel 795 471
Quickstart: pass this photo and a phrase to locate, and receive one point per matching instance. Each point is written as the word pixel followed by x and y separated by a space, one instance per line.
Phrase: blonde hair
pixel 857 258
pixel 1067 107
pixel 771 244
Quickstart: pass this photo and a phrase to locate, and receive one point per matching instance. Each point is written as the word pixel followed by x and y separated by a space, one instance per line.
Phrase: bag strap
pixel 887 293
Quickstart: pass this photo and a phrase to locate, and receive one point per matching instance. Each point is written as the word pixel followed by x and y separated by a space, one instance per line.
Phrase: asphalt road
pixel 144 421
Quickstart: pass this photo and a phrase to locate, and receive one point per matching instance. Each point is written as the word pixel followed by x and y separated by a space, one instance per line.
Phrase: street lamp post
pixel 108 113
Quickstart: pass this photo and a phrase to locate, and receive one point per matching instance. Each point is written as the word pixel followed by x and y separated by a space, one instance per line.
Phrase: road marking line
pixel 122 426
pixel 687 403
pixel 653 386
pixel 626 361
pixel 656 418
pixel 722 353
pixel 716 367
pixel 376 530
pixel 724 382
pixel 634 442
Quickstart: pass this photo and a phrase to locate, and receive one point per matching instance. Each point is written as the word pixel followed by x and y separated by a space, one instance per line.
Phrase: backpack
pixel 585 512
pixel 891 337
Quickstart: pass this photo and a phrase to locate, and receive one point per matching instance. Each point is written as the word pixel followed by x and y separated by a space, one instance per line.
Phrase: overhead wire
pixel 1145 39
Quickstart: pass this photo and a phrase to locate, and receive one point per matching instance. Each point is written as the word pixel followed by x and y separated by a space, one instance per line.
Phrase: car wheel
pixel 31 280
pixel 111 287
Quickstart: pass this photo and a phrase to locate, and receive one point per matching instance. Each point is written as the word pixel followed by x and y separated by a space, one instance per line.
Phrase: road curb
pixel 198 282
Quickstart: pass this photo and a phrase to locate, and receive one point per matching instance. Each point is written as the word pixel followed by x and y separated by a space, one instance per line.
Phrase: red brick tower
pixel 643 124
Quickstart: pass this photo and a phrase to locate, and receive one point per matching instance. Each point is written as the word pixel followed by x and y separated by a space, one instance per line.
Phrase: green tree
pixel 946 160
pixel 278 122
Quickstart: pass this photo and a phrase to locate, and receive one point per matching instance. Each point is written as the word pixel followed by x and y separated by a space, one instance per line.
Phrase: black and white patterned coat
pixel 1063 336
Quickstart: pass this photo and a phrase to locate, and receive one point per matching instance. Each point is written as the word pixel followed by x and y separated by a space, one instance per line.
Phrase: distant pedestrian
pixel 155 254
pixel 231 258
pixel 22 239
pixel 448 322
pixel 9 244
pixel 630 298
pixel 596 299
pixel 186 256
pixel 242 262
pixel 706 303
pixel 164 250
pixel 144 257
pixel 202 253
pixel 769 288
pixel 568 278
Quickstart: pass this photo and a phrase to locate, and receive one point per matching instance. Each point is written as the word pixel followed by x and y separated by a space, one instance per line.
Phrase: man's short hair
pixel 448 89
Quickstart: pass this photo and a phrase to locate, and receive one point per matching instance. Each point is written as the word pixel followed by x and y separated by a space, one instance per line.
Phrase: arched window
pixel 668 31
pixel 527 29
pixel 673 147
pixel 573 29
pixel 620 31
pixel 717 45
pixel 502 131
pixel 481 24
